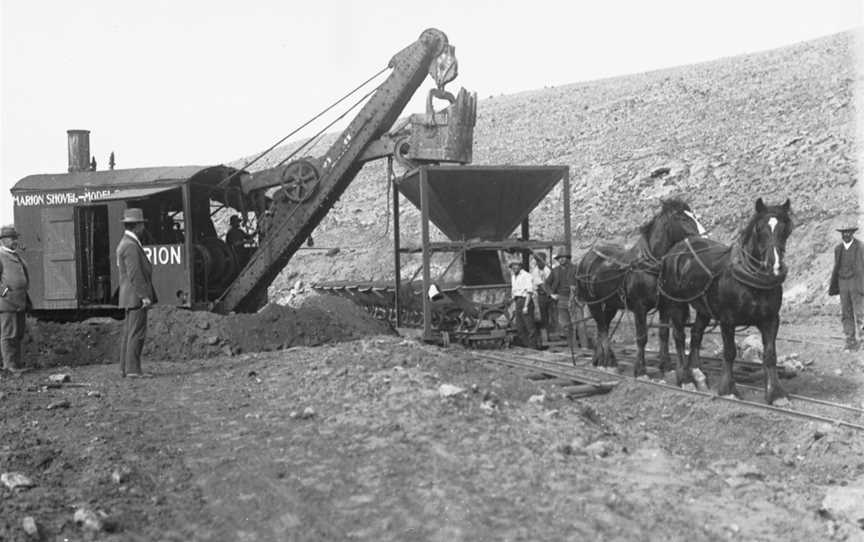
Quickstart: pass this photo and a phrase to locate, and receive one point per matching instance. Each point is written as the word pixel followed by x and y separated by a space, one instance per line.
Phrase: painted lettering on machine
pixel 164 254
pixel 59 198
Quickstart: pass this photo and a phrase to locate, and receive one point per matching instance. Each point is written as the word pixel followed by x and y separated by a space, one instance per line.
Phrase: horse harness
pixel 744 269
pixel 645 262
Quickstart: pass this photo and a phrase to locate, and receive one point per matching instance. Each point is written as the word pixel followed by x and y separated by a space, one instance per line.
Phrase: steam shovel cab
pixel 70 225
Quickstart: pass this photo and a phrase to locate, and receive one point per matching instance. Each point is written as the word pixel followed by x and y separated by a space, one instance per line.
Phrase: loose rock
pixel 88 519
pixel 15 480
pixel 846 502
pixel 120 474
pixel 449 390
pixel 62 403
pixel 30 527
pixel 600 448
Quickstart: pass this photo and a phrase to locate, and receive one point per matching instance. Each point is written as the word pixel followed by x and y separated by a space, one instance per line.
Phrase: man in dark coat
pixel 847 281
pixel 559 285
pixel 136 291
pixel 14 281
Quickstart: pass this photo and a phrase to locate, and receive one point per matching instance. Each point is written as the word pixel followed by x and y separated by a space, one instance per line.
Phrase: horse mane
pixel 666 206
pixel 775 210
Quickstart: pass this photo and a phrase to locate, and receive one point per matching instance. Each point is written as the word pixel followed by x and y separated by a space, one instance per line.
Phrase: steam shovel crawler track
pixel 817 409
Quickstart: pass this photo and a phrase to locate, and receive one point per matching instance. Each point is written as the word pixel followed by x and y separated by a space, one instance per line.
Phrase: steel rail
pixel 807 399
pixel 758 366
pixel 740 363
pixel 551 368
pixel 711 396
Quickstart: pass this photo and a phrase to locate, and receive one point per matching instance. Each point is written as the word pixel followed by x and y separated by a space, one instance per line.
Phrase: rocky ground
pixel 360 434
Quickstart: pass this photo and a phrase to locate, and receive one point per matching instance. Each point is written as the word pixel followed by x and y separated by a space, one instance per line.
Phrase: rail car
pixel 461 289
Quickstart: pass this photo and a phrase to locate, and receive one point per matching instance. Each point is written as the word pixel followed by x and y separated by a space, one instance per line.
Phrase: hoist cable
pixel 327 127
pixel 305 124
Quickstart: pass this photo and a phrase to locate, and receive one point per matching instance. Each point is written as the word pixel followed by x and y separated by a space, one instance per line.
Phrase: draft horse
pixel 610 278
pixel 735 285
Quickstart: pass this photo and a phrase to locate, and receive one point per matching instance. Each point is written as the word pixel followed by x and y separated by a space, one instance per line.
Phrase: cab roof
pixel 166 176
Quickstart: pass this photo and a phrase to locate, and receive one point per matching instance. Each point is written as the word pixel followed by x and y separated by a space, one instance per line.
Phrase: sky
pixel 203 82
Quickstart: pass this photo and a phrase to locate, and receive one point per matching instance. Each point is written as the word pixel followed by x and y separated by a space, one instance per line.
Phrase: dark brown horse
pixel 735 285
pixel 610 278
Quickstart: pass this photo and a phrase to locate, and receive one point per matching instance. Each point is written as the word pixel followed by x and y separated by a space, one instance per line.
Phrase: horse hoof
pixel 727 392
pixel 782 402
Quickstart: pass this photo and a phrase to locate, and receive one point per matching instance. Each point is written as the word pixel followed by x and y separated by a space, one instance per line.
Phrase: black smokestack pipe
pixel 79 150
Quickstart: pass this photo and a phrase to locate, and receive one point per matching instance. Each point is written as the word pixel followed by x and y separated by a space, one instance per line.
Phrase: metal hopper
pixel 484 203
pixel 478 209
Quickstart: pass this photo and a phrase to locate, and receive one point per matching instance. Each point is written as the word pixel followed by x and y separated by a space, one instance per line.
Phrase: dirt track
pixel 353 441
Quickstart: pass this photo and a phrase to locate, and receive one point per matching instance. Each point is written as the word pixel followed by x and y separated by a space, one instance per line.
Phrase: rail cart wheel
pixel 300 180
pixel 451 319
pixel 494 319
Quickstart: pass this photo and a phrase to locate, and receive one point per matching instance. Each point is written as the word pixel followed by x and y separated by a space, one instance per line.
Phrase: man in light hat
pixel 522 291
pixel 847 281
pixel 136 291
pixel 559 285
pixel 14 281
pixel 539 273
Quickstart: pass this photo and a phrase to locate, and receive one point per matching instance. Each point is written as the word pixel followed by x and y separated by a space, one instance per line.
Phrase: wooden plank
pixel 584 389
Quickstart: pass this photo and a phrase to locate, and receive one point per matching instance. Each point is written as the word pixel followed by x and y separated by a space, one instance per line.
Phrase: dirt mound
pixel 175 334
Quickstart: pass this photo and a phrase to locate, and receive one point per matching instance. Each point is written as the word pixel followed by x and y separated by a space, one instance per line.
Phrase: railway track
pixel 582 380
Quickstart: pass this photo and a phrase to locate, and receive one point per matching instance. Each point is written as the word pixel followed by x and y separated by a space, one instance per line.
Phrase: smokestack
pixel 79 150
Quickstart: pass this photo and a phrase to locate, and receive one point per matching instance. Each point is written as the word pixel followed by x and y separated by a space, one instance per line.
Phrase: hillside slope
pixel 777 124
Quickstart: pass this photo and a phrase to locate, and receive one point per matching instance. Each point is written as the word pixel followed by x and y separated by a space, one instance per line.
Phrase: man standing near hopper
pixel 559 284
pixel 136 291
pixel 522 292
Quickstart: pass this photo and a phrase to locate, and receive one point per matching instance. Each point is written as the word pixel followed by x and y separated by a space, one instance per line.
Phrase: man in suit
pixel 847 281
pixel 14 281
pixel 136 291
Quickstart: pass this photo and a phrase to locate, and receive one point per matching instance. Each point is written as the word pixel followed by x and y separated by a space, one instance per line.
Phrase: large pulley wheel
pixel 300 180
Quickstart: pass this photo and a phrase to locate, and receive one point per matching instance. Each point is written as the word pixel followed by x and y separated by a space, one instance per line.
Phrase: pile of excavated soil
pixel 175 334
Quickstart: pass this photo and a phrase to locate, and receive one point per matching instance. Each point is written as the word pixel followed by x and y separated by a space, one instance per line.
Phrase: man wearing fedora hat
pixel 559 284
pixel 539 273
pixel 14 281
pixel 136 291
pixel 847 281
